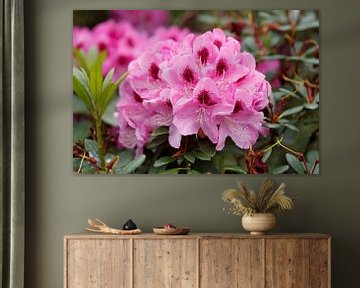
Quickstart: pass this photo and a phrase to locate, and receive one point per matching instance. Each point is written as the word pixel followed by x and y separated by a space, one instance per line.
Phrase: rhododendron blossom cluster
pixel 121 41
pixel 199 84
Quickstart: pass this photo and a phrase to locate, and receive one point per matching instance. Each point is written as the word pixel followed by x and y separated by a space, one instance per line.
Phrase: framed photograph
pixel 196 92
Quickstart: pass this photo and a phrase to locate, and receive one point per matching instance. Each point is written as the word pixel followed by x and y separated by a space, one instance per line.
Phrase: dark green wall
pixel 59 202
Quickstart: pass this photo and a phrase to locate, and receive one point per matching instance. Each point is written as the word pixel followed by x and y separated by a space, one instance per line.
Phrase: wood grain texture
pixel 197 260
pixel 98 264
pixel 231 263
pixel 287 263
pixel 319 263
pixel 88 235
pixel 165 263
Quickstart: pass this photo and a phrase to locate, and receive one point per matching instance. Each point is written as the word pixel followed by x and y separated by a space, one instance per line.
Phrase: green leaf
pixel 280 170
pixel 106 97
pixel 189 156
pixel 288 92
pixel 311 106
pixel 96 80
pixel 291 111
pixel 92 148
pixel 76 164
pixel 295 163
pixel 316 170
pixel 207 148
pixel 81 92
pixel 308 25
pixel 202 156
pixel 157 141
pixel 235 169
pixel 86 167
pixel 108 79
pixel 125 157
pixel 163 130
pixel 122 78
pixel 156 170
pixel 273 125
pixel 291 127
pixel 108 116
pixel 81 130
pixel 79 107
pixel 313 61
pixel 81 59
pixel 164 161
pixel 133 165
pixel 266 155
pixel 311 158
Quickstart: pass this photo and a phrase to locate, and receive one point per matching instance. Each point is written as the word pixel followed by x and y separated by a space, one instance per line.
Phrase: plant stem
pixel 100 141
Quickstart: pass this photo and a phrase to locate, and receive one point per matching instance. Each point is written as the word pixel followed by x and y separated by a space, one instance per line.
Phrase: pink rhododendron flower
pixel 271 67
pixel 134 119
pixel 170 33
pixel 142 19
pixel 81 38
pixel 202 82
pixel 121 41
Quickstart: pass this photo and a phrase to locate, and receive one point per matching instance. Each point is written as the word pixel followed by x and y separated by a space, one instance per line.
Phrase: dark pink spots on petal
pixel 238 106
pixel 101 46
pixel 168 103
pixel 204 97
pixel 188 75
pixel 113 34
pixel 203 55
pixel 130 42
pixel 123 60
pixel 137 97
pixel 154 71
pixel 218 43
pixel 240 79
pixel 221 67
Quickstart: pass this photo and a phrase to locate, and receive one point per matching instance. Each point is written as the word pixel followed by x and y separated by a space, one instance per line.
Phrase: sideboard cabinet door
pixel 165 263
pixel 98 263
pixel 297 263
pixel 231 263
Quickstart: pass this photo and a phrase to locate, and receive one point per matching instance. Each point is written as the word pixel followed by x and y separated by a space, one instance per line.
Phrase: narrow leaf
pixel 295 163
pixel 235 169
pixel 202 156
pixel 189 156
pixel 92 148
pixel 160 131
pixel 207 148
pixel 157 141
pixel 133 165
pixel 81 130
pixel 273 125
pixel 280 170
pixel 266 155
pixel 108 79
pixel 291 127
pixel 164 161
pixel 311 106
pixel 291 111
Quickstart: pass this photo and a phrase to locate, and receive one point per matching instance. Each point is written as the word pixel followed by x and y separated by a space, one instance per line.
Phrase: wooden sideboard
pixel 197 260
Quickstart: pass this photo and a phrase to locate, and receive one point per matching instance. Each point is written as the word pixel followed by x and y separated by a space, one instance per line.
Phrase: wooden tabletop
pixel 89 235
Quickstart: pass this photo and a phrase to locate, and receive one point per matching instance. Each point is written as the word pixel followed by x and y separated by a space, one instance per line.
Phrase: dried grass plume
pixel 267 200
